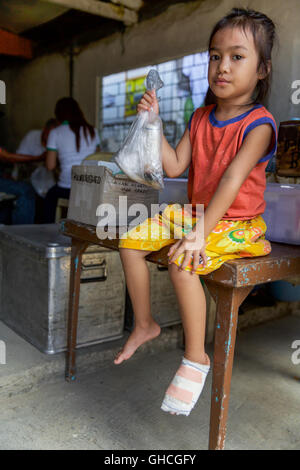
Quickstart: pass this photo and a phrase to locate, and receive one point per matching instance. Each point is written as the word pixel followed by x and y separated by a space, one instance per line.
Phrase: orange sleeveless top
pixel 214 146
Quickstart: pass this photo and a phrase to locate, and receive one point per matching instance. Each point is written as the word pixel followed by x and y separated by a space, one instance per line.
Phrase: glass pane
pixel 185 87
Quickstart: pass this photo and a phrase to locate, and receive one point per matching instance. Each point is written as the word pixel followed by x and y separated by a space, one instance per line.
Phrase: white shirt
pixel 63 140
pixel 31 144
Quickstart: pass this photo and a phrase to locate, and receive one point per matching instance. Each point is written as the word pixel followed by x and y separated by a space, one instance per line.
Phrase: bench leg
pixel 228 301
pixel 78 248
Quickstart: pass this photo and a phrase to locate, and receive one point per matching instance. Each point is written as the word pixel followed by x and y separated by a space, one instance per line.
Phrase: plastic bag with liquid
pixel 140 156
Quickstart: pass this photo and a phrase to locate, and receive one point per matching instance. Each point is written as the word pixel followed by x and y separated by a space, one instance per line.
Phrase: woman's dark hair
pixel 67 109
pixel 263 32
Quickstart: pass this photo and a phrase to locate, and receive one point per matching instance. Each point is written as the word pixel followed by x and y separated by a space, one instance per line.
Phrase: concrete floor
pixel 118 407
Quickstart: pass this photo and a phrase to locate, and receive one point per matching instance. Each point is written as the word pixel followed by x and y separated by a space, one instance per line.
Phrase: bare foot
pixel 138 337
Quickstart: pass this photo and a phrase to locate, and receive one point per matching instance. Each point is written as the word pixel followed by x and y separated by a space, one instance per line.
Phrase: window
pixel 185 87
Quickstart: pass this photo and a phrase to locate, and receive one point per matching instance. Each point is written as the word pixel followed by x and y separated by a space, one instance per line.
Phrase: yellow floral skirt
pixel 230 239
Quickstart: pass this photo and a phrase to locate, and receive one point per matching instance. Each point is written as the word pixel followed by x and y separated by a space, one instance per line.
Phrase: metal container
pixel 34 288
pixel 164 304
pixel 175 191
pixel 282 214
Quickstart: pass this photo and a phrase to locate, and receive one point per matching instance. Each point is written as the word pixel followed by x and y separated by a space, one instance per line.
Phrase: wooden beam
pixel 14 45
pixel 96 7
pixel 132 4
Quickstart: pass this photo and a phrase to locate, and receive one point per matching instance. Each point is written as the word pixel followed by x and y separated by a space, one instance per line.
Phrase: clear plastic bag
pixel 42 180
pixel 140 156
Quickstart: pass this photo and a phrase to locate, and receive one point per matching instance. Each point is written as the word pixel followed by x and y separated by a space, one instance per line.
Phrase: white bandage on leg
pixel 186 387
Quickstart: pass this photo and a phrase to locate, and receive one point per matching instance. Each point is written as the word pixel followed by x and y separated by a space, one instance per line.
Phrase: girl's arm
pixel 252 150
pixel 51 159
pixel 175 162
pixel 19 157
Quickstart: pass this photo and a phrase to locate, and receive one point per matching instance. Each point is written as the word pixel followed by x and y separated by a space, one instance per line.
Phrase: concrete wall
pixel 32 91
pixel 33 88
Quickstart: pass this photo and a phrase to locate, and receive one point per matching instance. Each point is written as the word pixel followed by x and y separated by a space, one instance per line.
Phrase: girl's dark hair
pixel 67 109
pixel 263 32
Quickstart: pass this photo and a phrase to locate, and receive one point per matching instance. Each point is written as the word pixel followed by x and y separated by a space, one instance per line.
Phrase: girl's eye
pixel 215 57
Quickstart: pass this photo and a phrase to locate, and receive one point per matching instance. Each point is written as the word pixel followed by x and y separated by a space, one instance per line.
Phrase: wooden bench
pixel 229 286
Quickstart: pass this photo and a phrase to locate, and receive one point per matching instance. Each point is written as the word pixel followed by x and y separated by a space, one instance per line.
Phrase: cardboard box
pixel 97 194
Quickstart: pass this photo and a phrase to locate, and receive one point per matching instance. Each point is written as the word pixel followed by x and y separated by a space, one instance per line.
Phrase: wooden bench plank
pixel 282 262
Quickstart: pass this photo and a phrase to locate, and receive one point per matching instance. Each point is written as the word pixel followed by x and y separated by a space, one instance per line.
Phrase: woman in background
pixel 71 142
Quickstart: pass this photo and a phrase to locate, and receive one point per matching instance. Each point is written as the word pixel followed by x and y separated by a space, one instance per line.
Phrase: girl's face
pixel 233 59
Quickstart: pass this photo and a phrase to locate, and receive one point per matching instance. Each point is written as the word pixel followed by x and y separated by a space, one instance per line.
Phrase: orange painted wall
pixel 11 44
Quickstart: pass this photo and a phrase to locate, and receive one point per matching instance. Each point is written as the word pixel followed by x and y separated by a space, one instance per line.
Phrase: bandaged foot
pixel 186 387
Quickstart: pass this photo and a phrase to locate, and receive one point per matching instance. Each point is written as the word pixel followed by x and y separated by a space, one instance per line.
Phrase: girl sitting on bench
pixel 227 146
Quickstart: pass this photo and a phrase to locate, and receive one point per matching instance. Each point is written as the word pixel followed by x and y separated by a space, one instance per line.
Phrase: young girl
pixel 226 146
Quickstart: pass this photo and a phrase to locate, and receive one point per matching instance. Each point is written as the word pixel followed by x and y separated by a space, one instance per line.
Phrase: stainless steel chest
pixel 164 303
pixel 34 286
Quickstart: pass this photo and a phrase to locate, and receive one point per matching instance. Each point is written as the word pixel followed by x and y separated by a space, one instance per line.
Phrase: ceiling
pixel 51 26
pixel 20 15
